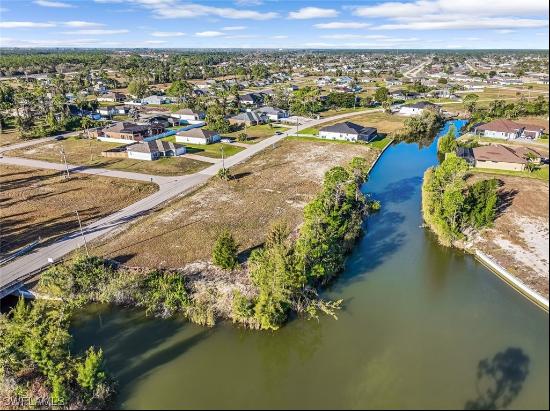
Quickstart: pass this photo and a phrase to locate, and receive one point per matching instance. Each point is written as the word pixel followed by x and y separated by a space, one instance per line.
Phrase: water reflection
pixel 500 379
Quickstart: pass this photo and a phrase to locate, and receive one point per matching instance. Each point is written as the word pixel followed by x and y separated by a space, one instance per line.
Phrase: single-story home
pixel 154 100
pixel 153 150
pixel 499 157
pixel 112 97
pixel 417 108
pixel 197 136
pixel 348 131
pixel 272 113
pixel 393 82
pixel 113 110
pixel 126 132
pixel 508 130
pixel 188 115
pixel 248 118
pixel 251 99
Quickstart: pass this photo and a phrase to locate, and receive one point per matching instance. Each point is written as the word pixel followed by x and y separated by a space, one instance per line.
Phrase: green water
pixel 418 320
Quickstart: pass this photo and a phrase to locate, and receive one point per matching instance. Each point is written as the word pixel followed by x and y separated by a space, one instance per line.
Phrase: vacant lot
pixel 9 136
pixel 257 133
pixel 88 152
pixel 519 239
pixel 40 203
pixel 275 184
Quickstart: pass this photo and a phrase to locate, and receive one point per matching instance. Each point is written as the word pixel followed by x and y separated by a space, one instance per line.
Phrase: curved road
pixel 13 274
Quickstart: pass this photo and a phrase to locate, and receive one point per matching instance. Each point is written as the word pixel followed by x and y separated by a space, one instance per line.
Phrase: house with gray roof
pixel 348 131
pixel 197 136
pixel 248 118
pixel 153 150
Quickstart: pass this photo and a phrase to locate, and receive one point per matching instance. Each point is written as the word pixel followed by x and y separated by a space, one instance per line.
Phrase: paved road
pixel 12 274
pixel 414 71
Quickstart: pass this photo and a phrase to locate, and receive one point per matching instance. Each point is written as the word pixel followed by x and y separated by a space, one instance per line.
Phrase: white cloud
pixel 312 13
pixel 280 37
pixel 170 9
pixel 464 22
pixel 341 25
pixel 167 34
pixel 10 42
pixel 505 31
pixel 53 4
pixel 249 2
pixel 24 24
pixel 209 34
pixel 471 8
pixel 96 32
pixel 78 24
pixel 233 28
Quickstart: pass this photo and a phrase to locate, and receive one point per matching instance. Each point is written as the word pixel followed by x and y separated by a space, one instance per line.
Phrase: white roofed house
pixel 155 100
pixel 417 108
pixel 153 150
pixel 188 115
pixel 197 136
pixel 272 113
pixel 348 131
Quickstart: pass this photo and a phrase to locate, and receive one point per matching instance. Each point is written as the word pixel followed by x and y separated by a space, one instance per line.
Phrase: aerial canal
pixel 423 326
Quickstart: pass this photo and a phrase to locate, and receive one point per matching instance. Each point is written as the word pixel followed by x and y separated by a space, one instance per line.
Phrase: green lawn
pixel 310 130
pixel 257 133
pixel 209 150
pixel 381 142
pixel 540 174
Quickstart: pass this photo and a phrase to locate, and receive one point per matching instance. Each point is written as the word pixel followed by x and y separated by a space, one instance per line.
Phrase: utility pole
pixel 65 161
pixel 82 233
pixel 223 159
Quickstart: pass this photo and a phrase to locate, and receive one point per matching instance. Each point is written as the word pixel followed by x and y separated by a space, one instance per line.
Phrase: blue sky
pixel 275 24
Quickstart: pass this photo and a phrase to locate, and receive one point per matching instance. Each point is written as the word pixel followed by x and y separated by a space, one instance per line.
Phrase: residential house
pixel 499 157
pixel 155 100
pixel 251 99
pixel 126 132
pixel 404 95
pixel 112 97
pixel 153 150
pixel 197 136
pixel 248 118
pixel 417 108
pixel 348 131
pixel 272 113
pixel 508 130
pixel 393 82
pixel 188 115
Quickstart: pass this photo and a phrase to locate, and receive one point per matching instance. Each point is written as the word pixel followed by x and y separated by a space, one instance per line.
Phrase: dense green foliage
pixel 287 270
pixel 224 253
pixel 36 363
pixel 421 129
pixel 451 207
pixel 448 143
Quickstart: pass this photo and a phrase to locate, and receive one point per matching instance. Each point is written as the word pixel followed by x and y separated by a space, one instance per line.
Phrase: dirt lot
pixel 40 203
pixel 273 185
pixel 9 136
pixel 88 152
pixel 519 239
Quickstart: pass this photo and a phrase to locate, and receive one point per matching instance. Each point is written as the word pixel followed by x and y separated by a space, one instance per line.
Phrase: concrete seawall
pixel 512 280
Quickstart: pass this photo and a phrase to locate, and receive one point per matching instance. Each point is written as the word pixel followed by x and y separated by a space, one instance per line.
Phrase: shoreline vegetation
pixel 284 275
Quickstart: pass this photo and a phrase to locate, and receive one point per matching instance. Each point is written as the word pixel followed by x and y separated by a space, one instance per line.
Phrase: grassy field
pixel 540 174
pixel 385 123
pixel 210 150
pixel 42 203
pixel 275 184
pixel 257 133
pixel 88 152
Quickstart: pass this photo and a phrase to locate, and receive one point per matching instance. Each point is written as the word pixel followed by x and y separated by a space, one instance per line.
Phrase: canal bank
pixel 419 324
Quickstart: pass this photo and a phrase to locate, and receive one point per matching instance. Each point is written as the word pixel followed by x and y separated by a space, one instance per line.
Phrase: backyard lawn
pixel 88 152
pixel 209 150
pixel 539 174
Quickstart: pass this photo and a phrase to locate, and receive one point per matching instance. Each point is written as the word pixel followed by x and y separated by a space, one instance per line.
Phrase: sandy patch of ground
pixel 519 239
pixel 275 184
pixel 42 203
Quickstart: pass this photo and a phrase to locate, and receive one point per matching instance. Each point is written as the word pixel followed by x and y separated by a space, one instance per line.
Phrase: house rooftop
pixel 197 133
pixel 153 146
pixel 347 127
pixel 501 153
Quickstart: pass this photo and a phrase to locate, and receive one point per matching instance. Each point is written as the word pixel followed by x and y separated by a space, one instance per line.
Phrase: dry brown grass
pixel 385 123
pixel 88 152
pixel 519 239
pixel 42 203
pixel 10 136
pixel 275 184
